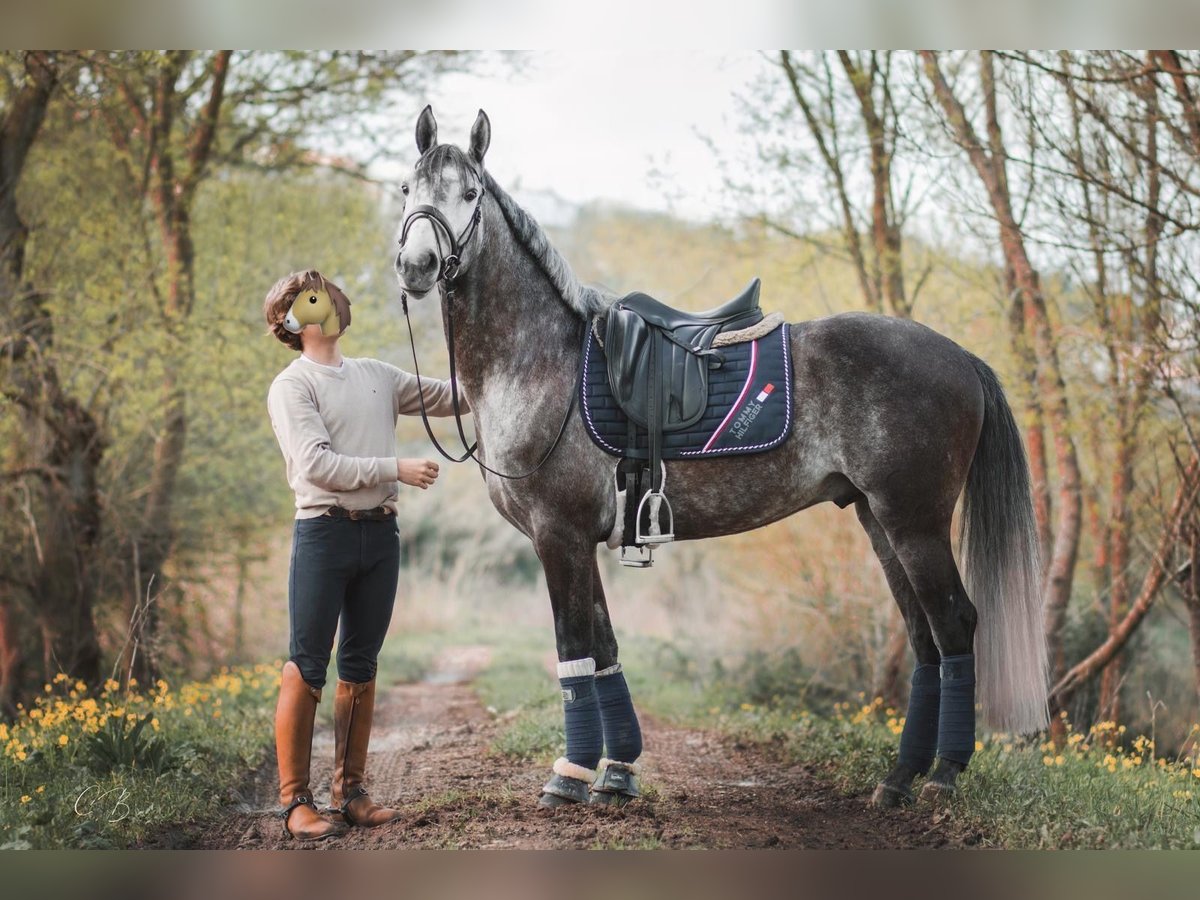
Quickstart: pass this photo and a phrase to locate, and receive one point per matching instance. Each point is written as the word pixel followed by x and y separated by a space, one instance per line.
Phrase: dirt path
pixel 430 757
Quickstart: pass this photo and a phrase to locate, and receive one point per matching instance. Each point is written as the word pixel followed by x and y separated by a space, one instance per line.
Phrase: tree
pixel 52 487
pixel 174 117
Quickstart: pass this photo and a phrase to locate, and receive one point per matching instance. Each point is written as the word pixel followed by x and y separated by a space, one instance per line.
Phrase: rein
pixel 447 273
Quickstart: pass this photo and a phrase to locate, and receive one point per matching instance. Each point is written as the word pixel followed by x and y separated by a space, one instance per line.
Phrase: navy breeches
pixel 341 571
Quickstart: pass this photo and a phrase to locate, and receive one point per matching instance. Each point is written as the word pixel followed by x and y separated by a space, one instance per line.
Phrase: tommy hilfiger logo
pixel 747 416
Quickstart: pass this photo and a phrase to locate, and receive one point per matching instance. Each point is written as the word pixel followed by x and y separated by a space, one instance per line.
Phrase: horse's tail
pixel 1003 571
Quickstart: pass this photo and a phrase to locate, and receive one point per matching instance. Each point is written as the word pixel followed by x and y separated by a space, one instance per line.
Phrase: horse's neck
pixel 511 328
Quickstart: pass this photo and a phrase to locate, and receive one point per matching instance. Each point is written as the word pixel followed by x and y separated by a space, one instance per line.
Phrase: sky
pixel 620 127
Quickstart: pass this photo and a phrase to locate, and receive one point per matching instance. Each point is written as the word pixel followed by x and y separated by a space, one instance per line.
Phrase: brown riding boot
pixel 353 707
pixel 295 715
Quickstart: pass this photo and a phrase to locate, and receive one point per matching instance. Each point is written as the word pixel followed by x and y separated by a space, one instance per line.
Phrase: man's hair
pixel 281 297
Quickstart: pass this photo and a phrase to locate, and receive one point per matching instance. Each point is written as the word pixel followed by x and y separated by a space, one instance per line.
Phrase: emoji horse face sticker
pixel 319 302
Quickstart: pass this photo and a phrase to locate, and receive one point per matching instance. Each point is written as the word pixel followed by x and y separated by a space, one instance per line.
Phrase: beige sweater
pixel 337 429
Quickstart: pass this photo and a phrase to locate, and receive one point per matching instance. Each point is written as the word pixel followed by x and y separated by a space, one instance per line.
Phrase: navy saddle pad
pixel 749 404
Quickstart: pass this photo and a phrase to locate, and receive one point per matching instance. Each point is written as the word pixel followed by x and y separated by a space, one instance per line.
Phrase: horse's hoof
pixel 562 790
pixel 608 798
pixel 887 796
pixel 616 784
pixel 938 794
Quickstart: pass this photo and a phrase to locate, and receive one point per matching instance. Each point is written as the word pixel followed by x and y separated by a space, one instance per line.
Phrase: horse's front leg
pixel 568 559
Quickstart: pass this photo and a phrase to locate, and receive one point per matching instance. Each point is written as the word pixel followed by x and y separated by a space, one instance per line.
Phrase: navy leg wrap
pixel 581 710
pixel 919 739
pixel 956 723
pixel 622 734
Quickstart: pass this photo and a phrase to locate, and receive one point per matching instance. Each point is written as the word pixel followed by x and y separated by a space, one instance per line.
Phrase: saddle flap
pixel 682 375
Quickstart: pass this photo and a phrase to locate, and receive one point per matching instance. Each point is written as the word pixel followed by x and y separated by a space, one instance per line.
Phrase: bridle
pixel 447 273
pixel 447 265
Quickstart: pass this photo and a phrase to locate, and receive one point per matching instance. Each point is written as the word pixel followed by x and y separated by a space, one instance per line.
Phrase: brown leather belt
pixel 378 514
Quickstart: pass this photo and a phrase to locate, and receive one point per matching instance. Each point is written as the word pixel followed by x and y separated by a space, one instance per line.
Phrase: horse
pixel 889 416
pixel 319 302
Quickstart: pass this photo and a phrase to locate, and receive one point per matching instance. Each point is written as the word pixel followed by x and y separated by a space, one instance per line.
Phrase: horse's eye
pixel 312 299
pixel 404 189
pixel 471 195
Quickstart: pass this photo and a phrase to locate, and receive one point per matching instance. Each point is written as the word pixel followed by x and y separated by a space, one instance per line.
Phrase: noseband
pixel 447 265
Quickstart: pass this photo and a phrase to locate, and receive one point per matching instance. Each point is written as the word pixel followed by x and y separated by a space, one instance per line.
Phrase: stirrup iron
pixel 656 499
pixel 637 557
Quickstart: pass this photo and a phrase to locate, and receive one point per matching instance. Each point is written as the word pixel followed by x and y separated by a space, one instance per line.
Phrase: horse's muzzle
pixel 291 324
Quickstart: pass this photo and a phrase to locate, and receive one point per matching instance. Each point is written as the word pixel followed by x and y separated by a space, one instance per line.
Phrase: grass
pixel 108 771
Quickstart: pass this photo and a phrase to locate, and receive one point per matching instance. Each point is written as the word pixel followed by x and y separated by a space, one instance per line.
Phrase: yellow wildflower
pixel 41 788
pixel 25 798
pixel 63 740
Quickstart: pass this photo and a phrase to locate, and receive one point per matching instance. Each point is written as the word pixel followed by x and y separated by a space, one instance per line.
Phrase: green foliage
pixel 110 770
pixel 124 745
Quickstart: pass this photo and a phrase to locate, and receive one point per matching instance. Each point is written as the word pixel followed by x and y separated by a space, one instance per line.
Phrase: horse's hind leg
pixel 929 563
pixel 918 739
pixel 617 782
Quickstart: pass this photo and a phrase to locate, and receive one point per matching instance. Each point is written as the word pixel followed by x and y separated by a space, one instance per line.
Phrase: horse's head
pixel 315 306
pixel 442 207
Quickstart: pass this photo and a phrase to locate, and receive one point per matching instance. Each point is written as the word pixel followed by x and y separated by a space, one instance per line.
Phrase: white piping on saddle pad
pixel 753 333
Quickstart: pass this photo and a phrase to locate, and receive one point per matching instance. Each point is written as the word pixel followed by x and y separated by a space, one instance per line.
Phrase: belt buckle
pixel 355 514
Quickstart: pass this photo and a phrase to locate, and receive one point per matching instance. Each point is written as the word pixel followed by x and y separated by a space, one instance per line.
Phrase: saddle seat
pixel 729 315
pixel 659 357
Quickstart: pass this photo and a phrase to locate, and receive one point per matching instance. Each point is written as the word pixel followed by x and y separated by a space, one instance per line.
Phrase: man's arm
pixel 436 394
pixel 303 437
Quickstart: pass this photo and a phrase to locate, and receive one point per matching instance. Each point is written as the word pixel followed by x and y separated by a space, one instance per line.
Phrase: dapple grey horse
pixel 889 416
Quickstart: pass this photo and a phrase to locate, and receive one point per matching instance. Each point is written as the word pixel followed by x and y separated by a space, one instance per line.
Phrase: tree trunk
pixel 175 178
pixel 989 164
pixel 63 497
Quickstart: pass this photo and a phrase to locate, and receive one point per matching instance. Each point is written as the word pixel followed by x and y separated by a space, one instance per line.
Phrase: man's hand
pixel 417 472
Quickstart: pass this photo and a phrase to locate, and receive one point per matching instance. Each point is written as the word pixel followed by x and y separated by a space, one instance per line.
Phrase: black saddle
pixel 658 361
pixel 659 357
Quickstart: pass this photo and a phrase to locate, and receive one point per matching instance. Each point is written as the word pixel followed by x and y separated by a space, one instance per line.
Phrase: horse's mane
pixel 583 299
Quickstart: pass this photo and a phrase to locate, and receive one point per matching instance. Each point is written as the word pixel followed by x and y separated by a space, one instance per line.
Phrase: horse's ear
pixel 481 136
pixel 426 130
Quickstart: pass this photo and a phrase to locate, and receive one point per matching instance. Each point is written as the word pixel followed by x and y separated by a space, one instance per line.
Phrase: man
pixel 335 419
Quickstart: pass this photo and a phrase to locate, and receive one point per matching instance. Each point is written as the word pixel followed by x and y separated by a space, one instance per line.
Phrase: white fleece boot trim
pixel 573 668
pixel 635 768
pixel 611 670
pixel 568 769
